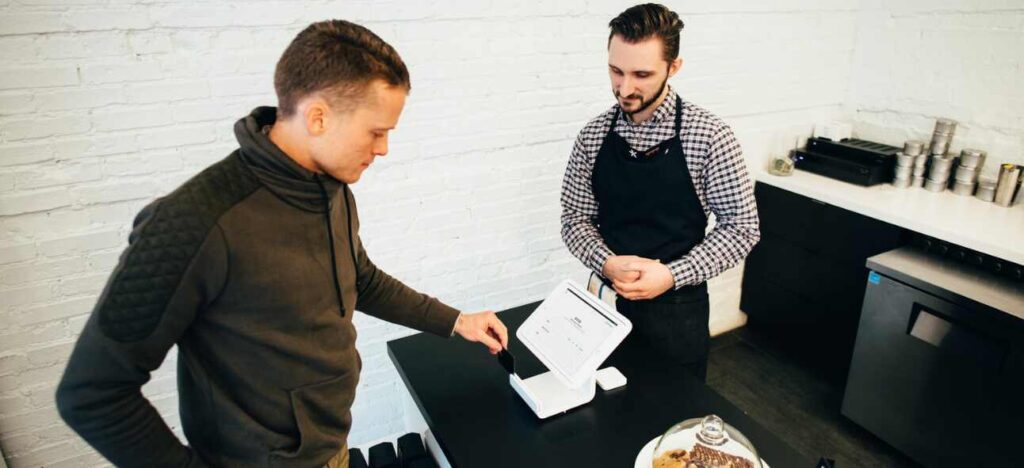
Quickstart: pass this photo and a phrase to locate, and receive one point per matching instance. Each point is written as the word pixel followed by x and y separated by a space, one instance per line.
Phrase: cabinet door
pixel 787 215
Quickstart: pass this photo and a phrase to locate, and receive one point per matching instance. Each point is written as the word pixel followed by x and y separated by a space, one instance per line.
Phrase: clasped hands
pixel 637 278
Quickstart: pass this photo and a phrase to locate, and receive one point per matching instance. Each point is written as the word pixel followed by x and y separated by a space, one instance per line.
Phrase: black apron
pixel 648 206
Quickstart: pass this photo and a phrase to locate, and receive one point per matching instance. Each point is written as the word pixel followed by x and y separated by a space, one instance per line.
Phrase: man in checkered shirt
pixel 642 180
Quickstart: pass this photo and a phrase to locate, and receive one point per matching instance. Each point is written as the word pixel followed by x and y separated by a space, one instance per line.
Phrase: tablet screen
pixel 570 330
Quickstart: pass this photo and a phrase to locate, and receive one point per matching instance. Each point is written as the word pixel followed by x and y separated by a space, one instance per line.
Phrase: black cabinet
pixel 804 281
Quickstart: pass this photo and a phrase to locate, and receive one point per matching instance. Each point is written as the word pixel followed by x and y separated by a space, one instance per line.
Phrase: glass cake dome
pixel 706 442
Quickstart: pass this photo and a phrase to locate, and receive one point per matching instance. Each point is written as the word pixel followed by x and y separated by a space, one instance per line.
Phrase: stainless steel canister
pixel 913 147
pixel 967 174
pixel 962 188
pixel 945 126
pixel 905 159
pixel 939 145
pixel 934 185
pixel 904 172
pixel 970 157
pixel 1009 183
pixel 901 182
pixel 941 162
pixel 986 190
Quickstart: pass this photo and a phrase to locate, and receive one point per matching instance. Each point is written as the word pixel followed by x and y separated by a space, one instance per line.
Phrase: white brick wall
pixel 916 61
pixel 105 105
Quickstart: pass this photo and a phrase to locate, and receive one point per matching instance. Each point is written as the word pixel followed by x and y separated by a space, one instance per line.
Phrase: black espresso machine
pixel 851 160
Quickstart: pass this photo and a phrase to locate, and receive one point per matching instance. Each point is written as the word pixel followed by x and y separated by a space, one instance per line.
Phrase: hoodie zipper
pixel 330 241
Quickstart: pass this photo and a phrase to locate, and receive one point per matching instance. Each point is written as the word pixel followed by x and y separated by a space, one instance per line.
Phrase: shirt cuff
pixel 456 322
pixel 598 259
pixel 684 272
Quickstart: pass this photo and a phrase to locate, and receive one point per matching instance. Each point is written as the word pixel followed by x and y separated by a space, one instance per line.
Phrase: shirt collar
pixel 665 110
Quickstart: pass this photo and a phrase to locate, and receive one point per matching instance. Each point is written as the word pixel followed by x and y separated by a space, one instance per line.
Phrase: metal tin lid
pixel 913 147
pixel 945 125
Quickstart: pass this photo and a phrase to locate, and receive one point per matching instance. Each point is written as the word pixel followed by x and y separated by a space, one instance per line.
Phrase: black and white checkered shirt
pixel 717 169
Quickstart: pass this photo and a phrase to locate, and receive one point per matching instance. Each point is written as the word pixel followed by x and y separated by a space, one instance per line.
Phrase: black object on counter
pixel 356 459
pixel 383 455
pixel 851 160
pixel 410 449
pixel 479 421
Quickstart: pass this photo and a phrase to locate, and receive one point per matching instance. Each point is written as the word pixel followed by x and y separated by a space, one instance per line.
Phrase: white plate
pixel 645 458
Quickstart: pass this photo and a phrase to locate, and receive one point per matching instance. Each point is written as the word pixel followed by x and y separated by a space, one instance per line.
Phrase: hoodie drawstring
pixel 330 239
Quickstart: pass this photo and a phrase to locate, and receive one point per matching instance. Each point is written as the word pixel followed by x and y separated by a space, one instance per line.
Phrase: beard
pixel 644 103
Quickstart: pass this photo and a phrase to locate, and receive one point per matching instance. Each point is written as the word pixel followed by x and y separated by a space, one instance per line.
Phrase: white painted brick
pixel 106 121
pixel 119 214
pixel 98 145
pixel 71 46
pixel 79 98
pixel 112 192
pixel 13 364
pixel 6 182
pixel 139 164
pixel 144 43
pixel 57 451
pixel 40 271
pixel 84 460
pixel 243 85
pixel 79 285
pixel 167 92
pixel 16 103
pixel 244 62
pixel 17 253
pixel 28 23
pixel 39 200
pixel 107 19
pixel 218 110
pixel 50 356
pixel 54 312
pixel 191 41
pixel 37 77
pixel 34 336
pixel 217 16
pixel 18 49
pixel 120 72
pixel 44 127
pixel 59 174
pixel 177 136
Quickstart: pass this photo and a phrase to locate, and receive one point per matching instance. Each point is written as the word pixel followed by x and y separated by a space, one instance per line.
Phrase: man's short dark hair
pixel 649 20
pixel 338 58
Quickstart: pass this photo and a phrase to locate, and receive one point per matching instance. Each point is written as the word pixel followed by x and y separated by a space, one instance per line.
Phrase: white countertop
pixel 961 220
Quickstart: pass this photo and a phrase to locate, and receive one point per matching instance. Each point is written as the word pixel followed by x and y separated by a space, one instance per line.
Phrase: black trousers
pixel 675 324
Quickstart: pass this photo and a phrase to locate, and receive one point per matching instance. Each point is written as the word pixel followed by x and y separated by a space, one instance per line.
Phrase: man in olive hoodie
pixel 254 268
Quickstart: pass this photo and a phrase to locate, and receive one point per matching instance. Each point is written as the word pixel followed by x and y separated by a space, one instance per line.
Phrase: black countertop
pixel 479 420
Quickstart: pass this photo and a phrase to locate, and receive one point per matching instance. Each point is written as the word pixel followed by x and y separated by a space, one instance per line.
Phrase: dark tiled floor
pixel 792 394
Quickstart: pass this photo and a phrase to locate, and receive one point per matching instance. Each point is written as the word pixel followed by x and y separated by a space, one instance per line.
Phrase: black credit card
pixel 507 361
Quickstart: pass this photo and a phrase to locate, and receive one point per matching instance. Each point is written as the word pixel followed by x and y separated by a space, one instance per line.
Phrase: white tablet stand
pixel 547 396
pixel 552 392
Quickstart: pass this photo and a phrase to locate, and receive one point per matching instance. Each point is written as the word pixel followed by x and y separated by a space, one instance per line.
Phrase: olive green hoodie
pixel 253 268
